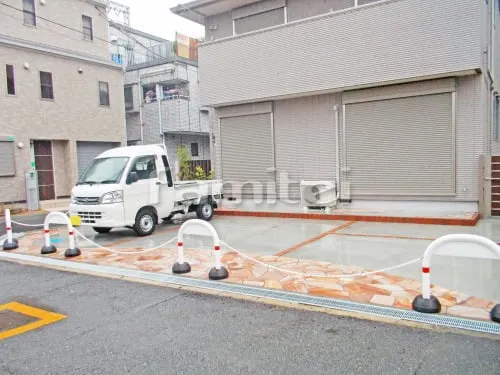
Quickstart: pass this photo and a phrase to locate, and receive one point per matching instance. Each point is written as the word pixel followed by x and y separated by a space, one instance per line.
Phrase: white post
pixel 426 280
pixel 71 237
pixel 181 266
pixel 180 253
pixel 218 263
pixel 10 243
pixel 46 235
pixel 8 225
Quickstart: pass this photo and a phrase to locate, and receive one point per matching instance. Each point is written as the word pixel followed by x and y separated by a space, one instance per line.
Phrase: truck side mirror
pixel 132 177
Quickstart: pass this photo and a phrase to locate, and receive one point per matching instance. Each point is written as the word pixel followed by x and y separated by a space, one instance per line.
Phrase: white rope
pixel 124 252
pixel 269 266
pixel 26 225
pixel 306 275
pixel 31 225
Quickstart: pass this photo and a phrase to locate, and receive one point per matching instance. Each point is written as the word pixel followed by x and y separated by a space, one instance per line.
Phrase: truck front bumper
pixel 103 215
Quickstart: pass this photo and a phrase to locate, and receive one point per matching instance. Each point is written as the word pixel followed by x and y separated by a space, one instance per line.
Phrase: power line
pixel 80 32
pixel 116 24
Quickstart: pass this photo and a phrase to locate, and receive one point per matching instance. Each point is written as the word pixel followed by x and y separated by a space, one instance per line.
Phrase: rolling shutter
pixel 305 142
pixel 88 151
pixel 247 155
pixel 402 146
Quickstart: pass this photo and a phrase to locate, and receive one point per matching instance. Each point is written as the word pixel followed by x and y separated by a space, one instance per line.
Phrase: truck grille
pixel 87 200
pixel 90 217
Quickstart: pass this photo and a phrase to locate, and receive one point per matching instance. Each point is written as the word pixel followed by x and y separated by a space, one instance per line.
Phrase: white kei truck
pixel 133 187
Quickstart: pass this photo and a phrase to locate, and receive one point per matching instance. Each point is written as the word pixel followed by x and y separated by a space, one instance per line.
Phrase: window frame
pixel 131 102
pixel 44 84
pixel 107 101
pixel 195 144
pixel 31 13
pixel 7 140
pixel 136 160
pixel 168 172
pixel 496 118
pixel 10 76
pixel 90 29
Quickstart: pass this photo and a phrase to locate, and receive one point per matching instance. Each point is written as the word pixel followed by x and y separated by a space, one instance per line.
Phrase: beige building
pixel 62 98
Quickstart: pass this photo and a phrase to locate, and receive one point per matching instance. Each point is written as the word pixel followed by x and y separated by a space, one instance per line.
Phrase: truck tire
pixel 145 222
pixel 101 230
pixel 205 211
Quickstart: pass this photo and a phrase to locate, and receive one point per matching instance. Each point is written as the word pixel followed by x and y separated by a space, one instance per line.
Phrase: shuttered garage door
pixel 247 154
pixel 88 151
pixel 401 146
pixel 305 142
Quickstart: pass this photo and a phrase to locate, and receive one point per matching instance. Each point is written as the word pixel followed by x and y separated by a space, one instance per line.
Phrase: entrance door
pixel 44 165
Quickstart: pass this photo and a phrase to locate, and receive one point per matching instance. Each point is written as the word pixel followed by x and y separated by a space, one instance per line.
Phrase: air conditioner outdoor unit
pixel 318 194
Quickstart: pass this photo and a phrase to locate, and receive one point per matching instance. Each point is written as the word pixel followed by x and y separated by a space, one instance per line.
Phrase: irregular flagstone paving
pixel 380 289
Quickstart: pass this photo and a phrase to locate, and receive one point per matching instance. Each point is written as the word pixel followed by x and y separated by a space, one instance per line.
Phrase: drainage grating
pixel 374 310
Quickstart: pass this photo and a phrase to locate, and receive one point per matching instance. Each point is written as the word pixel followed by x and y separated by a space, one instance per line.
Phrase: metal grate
pixel 90 217
pixel 381 311
pixel 87 200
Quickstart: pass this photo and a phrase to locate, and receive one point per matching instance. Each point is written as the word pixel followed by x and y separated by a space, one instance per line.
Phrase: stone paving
pixel 380 289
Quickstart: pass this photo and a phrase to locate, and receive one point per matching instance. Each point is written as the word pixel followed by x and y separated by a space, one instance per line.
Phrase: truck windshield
pixel 104 171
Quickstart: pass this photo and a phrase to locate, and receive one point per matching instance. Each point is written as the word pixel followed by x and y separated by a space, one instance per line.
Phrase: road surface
pixel 120 327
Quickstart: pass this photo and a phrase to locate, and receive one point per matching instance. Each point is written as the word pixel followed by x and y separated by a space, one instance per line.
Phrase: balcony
pixel 378 43
pixel 178 115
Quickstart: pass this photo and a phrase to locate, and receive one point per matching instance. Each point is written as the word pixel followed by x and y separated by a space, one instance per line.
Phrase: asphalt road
pixel 119 327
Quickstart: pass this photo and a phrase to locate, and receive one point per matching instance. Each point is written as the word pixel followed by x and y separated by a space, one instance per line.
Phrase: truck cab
pixel 134 187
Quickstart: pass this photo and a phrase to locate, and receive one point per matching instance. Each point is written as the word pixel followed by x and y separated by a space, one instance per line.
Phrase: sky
pixel 154 17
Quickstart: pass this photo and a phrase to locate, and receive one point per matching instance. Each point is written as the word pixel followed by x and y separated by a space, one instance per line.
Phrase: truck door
pixel 166 187
pixel 141 192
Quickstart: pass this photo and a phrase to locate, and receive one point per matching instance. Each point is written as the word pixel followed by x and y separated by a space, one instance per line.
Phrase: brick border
pixel 468 222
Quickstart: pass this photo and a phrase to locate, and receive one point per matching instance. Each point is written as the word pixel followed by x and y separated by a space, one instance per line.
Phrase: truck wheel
pixel 101 230
pixel 145 223
pixel 205 211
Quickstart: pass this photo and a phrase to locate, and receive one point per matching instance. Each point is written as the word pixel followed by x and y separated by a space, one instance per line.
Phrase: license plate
pixel 75 220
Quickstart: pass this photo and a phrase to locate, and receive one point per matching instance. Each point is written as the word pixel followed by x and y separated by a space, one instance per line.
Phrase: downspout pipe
pixel 337 149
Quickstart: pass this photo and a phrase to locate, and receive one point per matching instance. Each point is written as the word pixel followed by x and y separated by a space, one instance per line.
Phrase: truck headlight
pixel 73 200
pixel 112 197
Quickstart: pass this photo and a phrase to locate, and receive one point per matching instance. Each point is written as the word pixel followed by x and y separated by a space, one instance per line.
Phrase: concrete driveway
pixel 367 245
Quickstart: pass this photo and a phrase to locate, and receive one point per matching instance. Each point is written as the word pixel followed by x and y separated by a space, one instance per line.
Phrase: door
pixel 44 165
pixel 401 146
pixel 248 156
pixel 166 188
pixel 305 142
pixel 88 151
pixel 144 191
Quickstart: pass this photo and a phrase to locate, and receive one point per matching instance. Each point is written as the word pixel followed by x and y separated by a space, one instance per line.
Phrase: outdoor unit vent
pixel 318 194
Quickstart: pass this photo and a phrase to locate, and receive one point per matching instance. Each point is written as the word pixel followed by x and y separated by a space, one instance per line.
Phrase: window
pixel 29 12
pixel 194 149
pixel 103 93
pixel 117 58
pixel 7 153
pixel 104 170
pixel 496 118
pixel 46 85
pixel 88 33
pixel 167 170
pixel 129 98
pixel 145 167
pixel 11 86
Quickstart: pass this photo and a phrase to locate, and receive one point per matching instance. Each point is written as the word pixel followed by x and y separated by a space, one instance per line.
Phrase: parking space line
pixel 44 318
pixel 314 239
pixel 389 236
